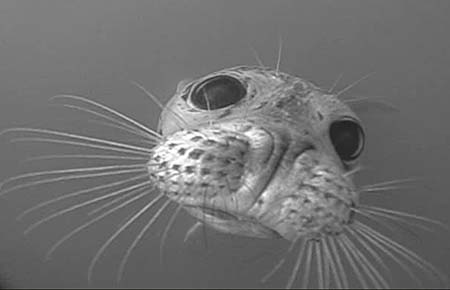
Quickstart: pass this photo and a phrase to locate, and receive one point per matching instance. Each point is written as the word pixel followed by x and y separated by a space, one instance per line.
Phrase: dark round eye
pixel 347 137
pixel 217 92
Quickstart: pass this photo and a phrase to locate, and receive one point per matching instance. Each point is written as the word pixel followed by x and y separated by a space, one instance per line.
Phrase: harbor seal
pixel 247 151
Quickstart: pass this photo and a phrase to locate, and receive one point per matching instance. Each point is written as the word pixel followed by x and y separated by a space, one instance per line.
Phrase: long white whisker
pixel 349 257
pixel 354 171
pixel 114 112
pixel 72 177
pixel 256 56
pixel 142 137
pixel 281 262
pixel 331 263
pixel 370 270
pixel 335 83
pixel 208 108
pixel 273 270
pixel 341 268
pixel 406 253
pixel 319 265
pixel 379 189
pixel 135 130
pixel 138 239
pixel 352 85
pixel 141 192
pixel 388 252
pixel 166 231
pixel 155 99
pixel 81 144
pixel 359 262
pixel 389 182
pixel 71 170
pixel 115 200
pixel 118 232
pixel 298 262
pixel 280 49
pixel 397 219
pixel 84 156
pixel 109 143
pixel 309 253
pixel 83 204
pixel 77 193
pixel 404 214
pixel 356 235
pixel 375 219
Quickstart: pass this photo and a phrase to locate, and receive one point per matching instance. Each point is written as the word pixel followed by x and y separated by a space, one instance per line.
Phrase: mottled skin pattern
pixel 262 167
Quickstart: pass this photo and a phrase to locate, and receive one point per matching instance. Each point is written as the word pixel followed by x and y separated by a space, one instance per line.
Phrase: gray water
pixel 95 48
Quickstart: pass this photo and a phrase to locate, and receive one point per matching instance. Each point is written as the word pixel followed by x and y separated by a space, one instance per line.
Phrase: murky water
pixel 95 48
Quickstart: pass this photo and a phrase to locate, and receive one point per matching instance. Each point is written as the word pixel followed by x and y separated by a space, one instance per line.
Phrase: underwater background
pixel 97 48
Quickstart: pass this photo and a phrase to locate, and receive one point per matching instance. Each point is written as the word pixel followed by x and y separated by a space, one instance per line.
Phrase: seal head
pixel 256 152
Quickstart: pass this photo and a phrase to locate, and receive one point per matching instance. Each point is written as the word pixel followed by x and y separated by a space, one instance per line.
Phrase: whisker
pixel 110 110
pixel 280 262
pixel 389 182
pixel 341 268
pixel 382 188
pixel 274 270
pixel 380 221
pixel 349 257
pixel 407 253
pixel 192 230
pixel 353 84
pixel 256 56
pixel 374 275
pixel 309 253
pixel 84 156
pixel 404 214
pixel 354 171
pixel 148 140
pixel 112 144
pixel 72 177
pixel 155 99
pixel 83 204
pixel 81 144
pixel 388 252
pixel 77 193
pixel 166 231
pixel 141 192
pixel 331 264
pixel 320 278
pixel 335 83
pixel 138 239
pixel 326 265
pixel 398 219
pixel 135 130
pixel 118 232
pixel 280 48
pixel 298 262
pixel 71 170
pixel 115 200
pixel 208 107
pixel 373 253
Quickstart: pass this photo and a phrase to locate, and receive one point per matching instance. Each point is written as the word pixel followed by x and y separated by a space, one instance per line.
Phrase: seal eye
pixel 217 92
pixel 347 137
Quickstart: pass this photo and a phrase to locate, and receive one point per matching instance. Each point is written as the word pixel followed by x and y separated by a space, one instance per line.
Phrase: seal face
pixel 256 152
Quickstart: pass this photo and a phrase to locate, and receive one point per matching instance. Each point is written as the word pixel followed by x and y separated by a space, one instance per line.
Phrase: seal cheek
pixel 314 198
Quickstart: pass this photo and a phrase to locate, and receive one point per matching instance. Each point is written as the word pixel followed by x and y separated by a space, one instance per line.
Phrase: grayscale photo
pixel 224 144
